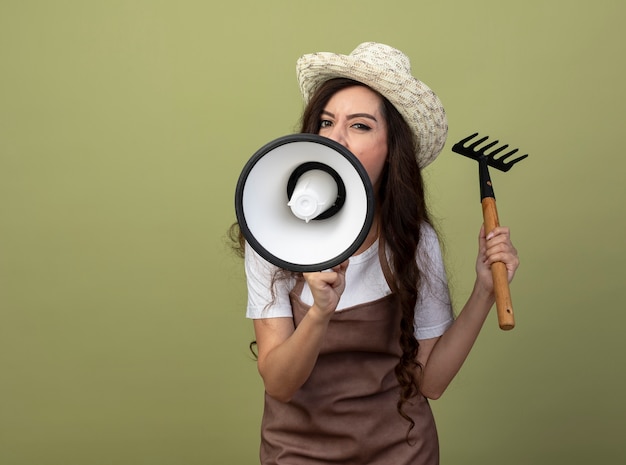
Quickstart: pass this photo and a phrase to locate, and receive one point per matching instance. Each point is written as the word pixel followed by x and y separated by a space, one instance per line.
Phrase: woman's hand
pixel 326 288
pixel 495 247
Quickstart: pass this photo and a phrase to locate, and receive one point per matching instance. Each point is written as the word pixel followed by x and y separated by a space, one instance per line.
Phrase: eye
pixel 325 123
pixel 361 126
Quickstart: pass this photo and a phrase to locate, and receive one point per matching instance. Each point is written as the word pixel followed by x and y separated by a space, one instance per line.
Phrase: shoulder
pixel 428 236
pixel 433 313
pixel 429 247
pixel 268 290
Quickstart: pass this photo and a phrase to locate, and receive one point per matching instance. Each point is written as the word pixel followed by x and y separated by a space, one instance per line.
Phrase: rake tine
pixel 496 151
pixel 467 139
pixel 477 143
pixel 487 147
pixel 505 165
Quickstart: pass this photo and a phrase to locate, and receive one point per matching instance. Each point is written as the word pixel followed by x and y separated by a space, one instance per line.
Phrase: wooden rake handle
pixel 504 306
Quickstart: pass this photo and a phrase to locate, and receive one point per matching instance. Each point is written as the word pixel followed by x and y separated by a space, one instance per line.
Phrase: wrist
pixel 483 294
pixel 316 314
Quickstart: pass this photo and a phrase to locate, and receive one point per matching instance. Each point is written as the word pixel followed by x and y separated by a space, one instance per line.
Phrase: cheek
pixel 380 152
pixel 374 164
pixel 375 173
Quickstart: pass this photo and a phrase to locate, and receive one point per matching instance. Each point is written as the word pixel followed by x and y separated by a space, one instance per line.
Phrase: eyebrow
pixel 352 116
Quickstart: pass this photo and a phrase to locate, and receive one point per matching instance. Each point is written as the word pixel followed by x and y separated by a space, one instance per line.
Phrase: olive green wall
pixel 123 128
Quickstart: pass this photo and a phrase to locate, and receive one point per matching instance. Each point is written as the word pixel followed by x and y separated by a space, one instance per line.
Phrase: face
pixel 353 117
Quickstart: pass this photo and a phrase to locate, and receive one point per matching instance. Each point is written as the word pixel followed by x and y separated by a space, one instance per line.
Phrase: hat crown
pixel 382 56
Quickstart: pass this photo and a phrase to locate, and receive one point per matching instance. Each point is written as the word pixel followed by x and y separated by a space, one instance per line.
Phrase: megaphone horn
pixel 304 203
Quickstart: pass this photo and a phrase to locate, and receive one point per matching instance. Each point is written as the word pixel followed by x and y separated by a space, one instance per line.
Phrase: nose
pixel 338 134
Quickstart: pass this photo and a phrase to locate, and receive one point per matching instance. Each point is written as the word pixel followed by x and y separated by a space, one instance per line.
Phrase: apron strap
pixel 384 263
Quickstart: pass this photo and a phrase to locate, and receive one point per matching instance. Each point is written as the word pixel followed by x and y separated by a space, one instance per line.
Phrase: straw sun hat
pixel 387 71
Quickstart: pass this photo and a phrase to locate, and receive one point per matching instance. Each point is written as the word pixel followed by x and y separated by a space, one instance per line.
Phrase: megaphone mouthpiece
pixel 315 192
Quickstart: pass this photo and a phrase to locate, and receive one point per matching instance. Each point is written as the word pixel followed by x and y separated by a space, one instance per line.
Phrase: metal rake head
pixel 503 163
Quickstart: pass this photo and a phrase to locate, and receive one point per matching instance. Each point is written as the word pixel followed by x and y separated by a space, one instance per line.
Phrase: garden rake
pixel 506 318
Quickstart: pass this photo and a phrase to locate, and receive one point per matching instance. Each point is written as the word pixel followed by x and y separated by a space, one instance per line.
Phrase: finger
pixel 499 245
pixel 481 233
pixel 494 247
pixel 505 257
pixel 482 240
pixel 320 278
pixel 499 242
pixel 498 238
pixel 499 231
pixel 342 267
pixel 503 252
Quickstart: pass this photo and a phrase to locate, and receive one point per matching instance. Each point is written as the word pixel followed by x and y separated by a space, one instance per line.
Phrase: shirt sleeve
pixel 261 303
pixel 433 311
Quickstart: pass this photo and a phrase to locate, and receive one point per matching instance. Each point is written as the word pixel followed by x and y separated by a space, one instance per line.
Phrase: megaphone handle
pixel 504 306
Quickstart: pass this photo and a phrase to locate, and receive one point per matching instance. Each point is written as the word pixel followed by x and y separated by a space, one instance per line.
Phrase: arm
pixel 287 355
pixel 442 357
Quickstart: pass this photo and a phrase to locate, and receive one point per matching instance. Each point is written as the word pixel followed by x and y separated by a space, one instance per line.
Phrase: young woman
pixel 350 356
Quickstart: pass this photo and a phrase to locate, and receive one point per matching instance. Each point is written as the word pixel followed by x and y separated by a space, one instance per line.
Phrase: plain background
pixel 123 128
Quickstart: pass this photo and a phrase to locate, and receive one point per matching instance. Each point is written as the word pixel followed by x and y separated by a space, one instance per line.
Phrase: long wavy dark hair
pixel 402 212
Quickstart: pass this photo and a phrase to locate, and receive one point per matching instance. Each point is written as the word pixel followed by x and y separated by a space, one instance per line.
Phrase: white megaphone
pixel 304 203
